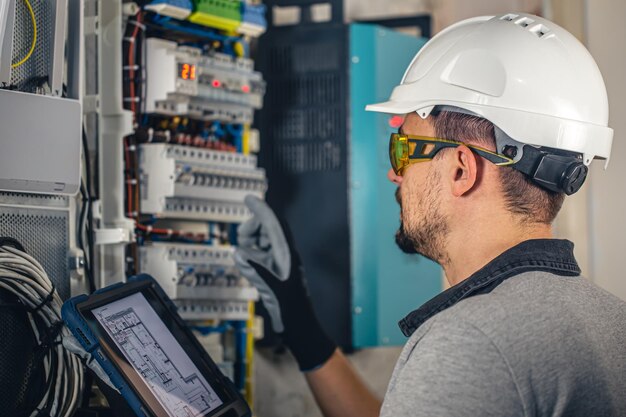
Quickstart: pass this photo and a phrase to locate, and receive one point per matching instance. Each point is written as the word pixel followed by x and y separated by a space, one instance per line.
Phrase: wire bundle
pixel 23 276
pixel 85 229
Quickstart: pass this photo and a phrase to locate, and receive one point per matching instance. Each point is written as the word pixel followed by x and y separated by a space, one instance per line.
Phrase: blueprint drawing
pixel 155 354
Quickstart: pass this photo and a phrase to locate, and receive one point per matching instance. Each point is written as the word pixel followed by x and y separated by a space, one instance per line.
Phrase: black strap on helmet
pixel 558 172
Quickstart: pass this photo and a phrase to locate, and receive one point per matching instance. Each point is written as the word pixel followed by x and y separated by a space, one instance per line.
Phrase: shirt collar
pixel 547 255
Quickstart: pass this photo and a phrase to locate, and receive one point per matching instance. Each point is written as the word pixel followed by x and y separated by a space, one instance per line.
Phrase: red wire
pixel 131 197
pixel 134 197
pixel 131 63
pixel 200 237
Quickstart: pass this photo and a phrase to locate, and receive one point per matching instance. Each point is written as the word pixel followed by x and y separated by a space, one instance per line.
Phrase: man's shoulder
pixel 538 322
pixel 530 315
pixel 534 333
pixel 537 299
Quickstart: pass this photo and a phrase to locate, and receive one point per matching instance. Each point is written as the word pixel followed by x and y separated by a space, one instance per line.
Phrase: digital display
pixel 156 356
pixel 187 71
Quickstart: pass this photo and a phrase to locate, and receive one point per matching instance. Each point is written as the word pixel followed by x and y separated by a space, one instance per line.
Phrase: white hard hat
pixel 528 76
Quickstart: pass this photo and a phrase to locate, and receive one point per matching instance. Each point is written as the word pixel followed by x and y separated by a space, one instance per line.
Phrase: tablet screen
pixel 156 356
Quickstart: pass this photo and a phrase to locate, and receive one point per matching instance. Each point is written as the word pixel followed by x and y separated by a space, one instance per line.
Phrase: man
pixel 505 113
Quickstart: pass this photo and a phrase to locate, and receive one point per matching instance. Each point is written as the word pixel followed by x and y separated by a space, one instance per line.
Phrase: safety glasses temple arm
pixel 439 144
pixel 493 157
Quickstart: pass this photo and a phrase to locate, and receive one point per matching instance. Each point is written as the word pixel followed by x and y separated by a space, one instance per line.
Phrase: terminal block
pixel 253 21
pixel 178 9
pixel 202 280
pixel 218 14
pixel 193 183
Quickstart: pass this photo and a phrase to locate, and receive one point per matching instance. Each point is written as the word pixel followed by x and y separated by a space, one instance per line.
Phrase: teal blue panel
pixel 386 283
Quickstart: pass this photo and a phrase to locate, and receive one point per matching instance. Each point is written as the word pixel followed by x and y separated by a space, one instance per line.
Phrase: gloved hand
pixel 72 345
pixel 266 257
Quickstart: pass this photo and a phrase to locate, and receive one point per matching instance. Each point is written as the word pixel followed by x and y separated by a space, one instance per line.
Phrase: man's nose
pixel 393 177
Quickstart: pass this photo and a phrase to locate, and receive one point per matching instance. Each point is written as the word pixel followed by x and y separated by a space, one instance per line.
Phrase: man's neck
pixel 474 247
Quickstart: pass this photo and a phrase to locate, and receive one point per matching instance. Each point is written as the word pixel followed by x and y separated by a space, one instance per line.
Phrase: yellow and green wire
pixel 34 42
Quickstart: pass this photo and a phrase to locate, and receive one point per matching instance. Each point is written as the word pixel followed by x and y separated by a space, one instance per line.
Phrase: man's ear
pixel 462 170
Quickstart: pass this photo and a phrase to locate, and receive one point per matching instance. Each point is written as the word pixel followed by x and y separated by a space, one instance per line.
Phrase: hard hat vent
pixel 540 30
pixel 509 17
pixel 524 22
pixel 527 23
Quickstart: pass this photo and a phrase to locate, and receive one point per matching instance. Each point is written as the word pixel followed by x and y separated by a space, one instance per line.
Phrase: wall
pixel 573 221
pixel 605 35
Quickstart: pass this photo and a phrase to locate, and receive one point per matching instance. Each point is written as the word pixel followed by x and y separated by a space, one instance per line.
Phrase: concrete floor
pixel 281 390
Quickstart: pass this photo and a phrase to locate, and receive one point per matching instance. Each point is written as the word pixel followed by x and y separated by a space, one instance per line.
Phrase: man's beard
pixel 429 236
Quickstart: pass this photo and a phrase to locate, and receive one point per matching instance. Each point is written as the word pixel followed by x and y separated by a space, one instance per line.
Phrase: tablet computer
pixel 134 332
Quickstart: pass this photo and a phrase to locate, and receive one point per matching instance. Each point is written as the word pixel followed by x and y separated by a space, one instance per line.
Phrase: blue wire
pixel 210 226
pixel 237 132
pixel 217 129
pixel 166 24
pixel 240 333
pixel 205 330
pixel 160 19
pixel 233 234
pixel 234 129
pixel 228 49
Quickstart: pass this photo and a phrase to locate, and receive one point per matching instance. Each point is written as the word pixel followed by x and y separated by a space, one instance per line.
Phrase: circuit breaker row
pixel 199 278
pixel 193 162
pixel 187 183
pixel 183 81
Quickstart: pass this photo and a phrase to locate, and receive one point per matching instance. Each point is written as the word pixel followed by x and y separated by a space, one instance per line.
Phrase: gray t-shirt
pixel 537 345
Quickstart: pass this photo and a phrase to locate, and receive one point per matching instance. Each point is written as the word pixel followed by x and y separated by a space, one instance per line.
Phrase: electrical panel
pixel 129 146
pixel 178 158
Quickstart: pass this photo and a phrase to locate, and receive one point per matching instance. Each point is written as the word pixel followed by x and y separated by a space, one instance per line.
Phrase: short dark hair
pixel 522 196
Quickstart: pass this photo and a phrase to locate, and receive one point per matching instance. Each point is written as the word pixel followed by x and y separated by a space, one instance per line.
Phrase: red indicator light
pixel 396 121
pixel 245 88
pixel 216 83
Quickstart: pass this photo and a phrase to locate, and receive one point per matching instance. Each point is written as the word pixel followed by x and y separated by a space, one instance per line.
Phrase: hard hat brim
pixel 393 107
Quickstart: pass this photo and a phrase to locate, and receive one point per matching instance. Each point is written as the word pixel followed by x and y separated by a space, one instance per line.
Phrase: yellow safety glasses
pixel 406 149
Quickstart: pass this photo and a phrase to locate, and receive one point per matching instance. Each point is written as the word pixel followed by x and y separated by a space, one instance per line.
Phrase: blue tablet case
pixel 88 340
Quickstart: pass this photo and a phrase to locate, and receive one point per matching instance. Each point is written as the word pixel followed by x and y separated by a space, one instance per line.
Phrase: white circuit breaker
pixel 202 280
pixel 182 81
pixel 193 183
